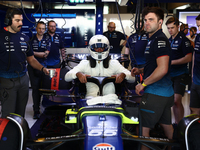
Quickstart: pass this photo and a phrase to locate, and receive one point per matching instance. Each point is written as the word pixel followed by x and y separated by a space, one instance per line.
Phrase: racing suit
pixel 92 89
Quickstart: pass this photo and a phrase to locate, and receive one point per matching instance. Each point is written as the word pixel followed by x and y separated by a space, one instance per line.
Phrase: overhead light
pixel 183 7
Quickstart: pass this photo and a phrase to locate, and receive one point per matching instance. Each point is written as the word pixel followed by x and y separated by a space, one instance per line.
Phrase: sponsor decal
pixel 21 38
pixel 103 146
pixel 6 38
pixel 99 132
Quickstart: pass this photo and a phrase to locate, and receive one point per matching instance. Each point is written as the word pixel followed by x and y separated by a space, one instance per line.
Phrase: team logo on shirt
pixel 7 38
pixel 187 43
pixel 161 44
pixel 21 38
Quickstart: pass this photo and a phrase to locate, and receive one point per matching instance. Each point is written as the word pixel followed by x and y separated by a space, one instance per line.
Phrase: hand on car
pixel 119 77
pixel 82 77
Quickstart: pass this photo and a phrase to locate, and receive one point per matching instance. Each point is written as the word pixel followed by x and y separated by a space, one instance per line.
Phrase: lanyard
pixel 172 43
pixel 39 44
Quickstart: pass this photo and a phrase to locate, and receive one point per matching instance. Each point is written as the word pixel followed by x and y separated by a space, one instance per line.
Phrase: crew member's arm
pixel 183 60
pixel 136 71
pixel 193 64
pixel 127 51
pixel 41 54
pixel 157 74
pixel 124 43
pixel 63 53
pixel 35 64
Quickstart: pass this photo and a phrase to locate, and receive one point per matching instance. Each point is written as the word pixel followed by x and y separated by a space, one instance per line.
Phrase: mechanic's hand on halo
pixel 119 77
pixel 135 71
pixel 82 77
pixel 138 88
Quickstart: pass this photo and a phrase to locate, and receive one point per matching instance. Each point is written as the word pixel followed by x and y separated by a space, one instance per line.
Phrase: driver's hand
pixel 119 77
pixel 82 77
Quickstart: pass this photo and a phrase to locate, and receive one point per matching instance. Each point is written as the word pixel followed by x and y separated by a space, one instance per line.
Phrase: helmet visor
pixel 99 47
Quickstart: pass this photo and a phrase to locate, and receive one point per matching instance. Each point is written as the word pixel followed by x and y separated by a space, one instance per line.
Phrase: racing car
pixel 104 126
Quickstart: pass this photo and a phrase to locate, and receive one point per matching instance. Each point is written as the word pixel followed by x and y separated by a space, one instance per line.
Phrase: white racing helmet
pixel 99 41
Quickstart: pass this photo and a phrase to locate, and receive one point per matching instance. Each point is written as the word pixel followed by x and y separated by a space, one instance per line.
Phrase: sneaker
pixel 36 115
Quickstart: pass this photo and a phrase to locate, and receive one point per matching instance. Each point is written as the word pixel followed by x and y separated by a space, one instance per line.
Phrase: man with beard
pixel 157 100
pixel 115 38
pixel 14 52
pixel 53 59
pixel 40 46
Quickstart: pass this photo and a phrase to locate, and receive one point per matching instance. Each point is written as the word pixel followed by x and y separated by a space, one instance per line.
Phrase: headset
pixel 8 18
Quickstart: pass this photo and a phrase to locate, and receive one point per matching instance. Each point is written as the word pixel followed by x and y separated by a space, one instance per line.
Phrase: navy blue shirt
pixel 115 38
pixel 13 54
pixel 40 46
pixel 56 44
pixel 158 46
pixel 196 69
pixel 180 46
pixel 137 45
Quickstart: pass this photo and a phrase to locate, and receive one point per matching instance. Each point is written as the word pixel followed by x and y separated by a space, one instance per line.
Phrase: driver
pixel 99 63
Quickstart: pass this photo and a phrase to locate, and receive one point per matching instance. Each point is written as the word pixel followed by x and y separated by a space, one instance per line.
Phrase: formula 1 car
pixel 107 125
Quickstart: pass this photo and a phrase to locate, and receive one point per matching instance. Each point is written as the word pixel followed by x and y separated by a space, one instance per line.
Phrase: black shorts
pixel 155 109
pixel 179 83
pixel 195 96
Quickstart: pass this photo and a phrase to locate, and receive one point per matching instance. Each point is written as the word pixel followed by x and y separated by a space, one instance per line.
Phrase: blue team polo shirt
pixel 196 69
pixel 157 46
pixel 13 52
pixel 115 38
pixel 40 46
pixel 137 45
pixel 180 46
pixel 56 44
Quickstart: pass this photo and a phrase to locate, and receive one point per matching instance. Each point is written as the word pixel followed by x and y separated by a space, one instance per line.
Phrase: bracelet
pixel 143 84
pixel 42 69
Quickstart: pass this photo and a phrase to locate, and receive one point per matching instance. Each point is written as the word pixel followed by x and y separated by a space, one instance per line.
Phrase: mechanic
pixel 115 38
pixel 184 29
pixel 180 57
pixel 192 35
pixel 53 59
pixel 14 52
pixel 137 43
pixel 40 46
pixel 195 88
pixel 99 63
pixel 157 100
